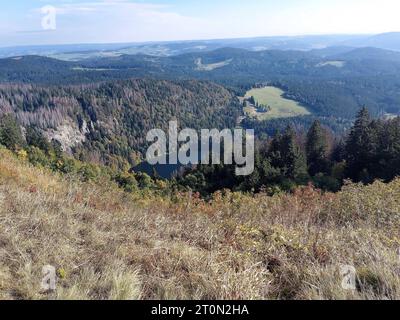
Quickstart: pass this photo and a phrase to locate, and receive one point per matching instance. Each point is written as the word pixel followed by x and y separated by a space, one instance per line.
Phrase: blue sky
pixel 99 21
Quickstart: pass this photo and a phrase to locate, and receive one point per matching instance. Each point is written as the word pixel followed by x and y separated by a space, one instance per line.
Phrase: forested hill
pixel 228 65
pixel 108 122
pixel 330 84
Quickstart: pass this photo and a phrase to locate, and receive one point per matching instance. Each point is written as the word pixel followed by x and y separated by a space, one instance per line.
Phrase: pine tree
pixel 316 148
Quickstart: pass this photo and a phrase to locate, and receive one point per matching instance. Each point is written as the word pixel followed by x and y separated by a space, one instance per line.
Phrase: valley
pixel 331 83
pixel 77 190
pixel 202 159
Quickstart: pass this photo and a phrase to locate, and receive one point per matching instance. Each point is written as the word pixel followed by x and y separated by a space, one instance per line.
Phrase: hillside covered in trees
pixel 330 83
pixel 107 122
pixel 369 151
pixel 323 186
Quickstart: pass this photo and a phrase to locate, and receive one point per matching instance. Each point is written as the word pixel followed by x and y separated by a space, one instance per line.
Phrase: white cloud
pixel 122 21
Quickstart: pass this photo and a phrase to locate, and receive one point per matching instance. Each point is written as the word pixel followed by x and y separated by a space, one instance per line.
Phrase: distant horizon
pixel 198 40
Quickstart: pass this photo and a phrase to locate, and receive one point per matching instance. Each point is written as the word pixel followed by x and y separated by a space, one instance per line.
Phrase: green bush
pixel 37 157
pixel 10 133
pixel 127 182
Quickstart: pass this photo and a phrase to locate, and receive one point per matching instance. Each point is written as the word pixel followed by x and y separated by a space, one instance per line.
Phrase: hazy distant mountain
pixel 323 45
pixel 49 50
pixel 84 51
pixel 368 54
pixel 331 51
pixel 389 41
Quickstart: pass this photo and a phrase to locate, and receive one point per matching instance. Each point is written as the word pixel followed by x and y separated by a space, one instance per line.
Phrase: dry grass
pixel 107 244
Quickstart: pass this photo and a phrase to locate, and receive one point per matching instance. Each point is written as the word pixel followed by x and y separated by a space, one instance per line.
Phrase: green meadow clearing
pixel 280 106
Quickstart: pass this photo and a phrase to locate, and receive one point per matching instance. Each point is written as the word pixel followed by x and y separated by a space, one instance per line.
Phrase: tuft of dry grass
pixel 107 244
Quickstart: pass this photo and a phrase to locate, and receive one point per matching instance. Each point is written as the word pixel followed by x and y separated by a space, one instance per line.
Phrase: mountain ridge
pixel 170 48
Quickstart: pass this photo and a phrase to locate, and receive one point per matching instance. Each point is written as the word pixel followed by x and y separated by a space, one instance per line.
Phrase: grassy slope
pixel 280 106
pixel 108 244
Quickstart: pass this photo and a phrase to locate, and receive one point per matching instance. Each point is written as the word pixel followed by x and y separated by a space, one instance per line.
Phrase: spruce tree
pixel 316 149
pixel 388 164
pixel 286 154
pixel 361 148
